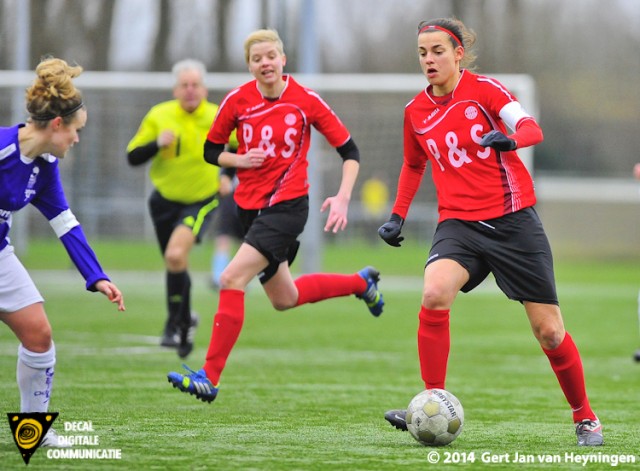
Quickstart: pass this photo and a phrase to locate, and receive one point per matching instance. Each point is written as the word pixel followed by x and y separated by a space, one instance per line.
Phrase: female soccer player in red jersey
pixel 487 223
pixel 273 115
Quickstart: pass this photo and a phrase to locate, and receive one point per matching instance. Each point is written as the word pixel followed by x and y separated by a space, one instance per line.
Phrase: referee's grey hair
pixel 188 64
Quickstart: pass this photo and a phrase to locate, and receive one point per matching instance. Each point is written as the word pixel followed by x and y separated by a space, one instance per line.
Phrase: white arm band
pixel 512 113
pixel 63 222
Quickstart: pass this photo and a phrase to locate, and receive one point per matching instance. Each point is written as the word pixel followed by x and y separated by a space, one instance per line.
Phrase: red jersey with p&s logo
pixel 472 182
pixel 280 127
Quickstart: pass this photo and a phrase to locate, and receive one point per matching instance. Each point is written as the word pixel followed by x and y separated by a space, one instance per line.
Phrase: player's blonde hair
pixel 53 93
pixel 262 36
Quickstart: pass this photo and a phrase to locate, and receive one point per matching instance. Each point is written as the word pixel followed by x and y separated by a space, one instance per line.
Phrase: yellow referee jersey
pixel 179 171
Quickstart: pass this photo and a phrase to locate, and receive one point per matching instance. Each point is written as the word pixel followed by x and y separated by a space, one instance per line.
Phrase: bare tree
pixel 221 17
pixel 159 60
pixel 96 35
pixel 67 32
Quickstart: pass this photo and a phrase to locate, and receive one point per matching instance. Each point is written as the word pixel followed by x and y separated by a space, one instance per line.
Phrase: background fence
pixel 109 197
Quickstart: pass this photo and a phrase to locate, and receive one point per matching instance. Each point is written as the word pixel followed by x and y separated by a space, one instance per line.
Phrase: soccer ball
pixel 435 417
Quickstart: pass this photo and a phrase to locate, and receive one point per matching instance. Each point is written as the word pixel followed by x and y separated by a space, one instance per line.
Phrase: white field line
pixel 70 281
pixel 154 280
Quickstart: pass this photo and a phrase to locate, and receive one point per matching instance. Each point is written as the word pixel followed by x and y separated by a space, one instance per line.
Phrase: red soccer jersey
pixel 282 128
pixel 472 182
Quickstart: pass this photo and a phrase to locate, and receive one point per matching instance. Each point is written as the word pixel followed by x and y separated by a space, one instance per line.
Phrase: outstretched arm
pixel 339 204
pixel 112 292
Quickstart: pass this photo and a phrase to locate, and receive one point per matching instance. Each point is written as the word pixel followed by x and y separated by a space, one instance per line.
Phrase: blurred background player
pixel 374 201
pixel 273 116
pixel 487 223
pixel 227 228
pixel 172 136
pixel 29 174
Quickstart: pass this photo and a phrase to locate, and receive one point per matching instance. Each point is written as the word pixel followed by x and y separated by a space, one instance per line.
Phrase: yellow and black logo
pixel 29 429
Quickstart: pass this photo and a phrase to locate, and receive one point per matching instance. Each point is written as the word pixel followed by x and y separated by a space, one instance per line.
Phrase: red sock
pixel 318 286
pixel 567 365
pixel 227 324
pixel 434 342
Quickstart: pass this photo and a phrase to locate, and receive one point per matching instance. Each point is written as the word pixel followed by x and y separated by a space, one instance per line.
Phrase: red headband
pixel 440 28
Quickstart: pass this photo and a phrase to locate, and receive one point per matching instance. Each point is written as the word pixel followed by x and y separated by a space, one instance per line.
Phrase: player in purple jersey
pixel 29 174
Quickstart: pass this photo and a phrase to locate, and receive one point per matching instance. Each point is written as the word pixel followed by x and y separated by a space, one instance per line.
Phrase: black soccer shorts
pixel 167 215
pixel 274 231
pixel 514 248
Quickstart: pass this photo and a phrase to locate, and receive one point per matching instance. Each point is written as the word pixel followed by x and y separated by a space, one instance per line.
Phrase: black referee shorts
pixel 513 247
pixel 274 231
pixel 167 215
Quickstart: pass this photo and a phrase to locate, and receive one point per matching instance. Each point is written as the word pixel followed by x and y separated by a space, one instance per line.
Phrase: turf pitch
pixel 307 388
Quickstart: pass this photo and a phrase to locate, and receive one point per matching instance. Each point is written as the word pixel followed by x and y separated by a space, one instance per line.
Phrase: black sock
pixel 178 289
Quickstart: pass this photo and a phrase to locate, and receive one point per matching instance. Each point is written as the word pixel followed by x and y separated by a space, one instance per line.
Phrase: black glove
pixel 390 231
pixel 498 141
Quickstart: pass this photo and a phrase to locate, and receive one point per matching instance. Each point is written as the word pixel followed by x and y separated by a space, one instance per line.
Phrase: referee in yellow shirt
pixel 172 136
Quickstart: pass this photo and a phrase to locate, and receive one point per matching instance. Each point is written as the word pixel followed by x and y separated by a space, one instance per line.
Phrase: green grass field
pixel 307 389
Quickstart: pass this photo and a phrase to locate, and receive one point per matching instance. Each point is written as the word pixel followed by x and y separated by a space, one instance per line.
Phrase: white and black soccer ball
pixel 435 417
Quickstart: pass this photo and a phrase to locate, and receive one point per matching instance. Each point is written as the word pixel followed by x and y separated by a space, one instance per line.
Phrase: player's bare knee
pixel 38 342
pixel 278 306
pixel 435 298
pixel 549 336
pixel 554 341
pixel 175 260
pixel 283 304
pixel 230 281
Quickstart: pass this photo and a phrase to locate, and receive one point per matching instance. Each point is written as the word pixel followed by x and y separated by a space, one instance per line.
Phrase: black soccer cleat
pixel 185 346
pixel 170 339
pixel 397 418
